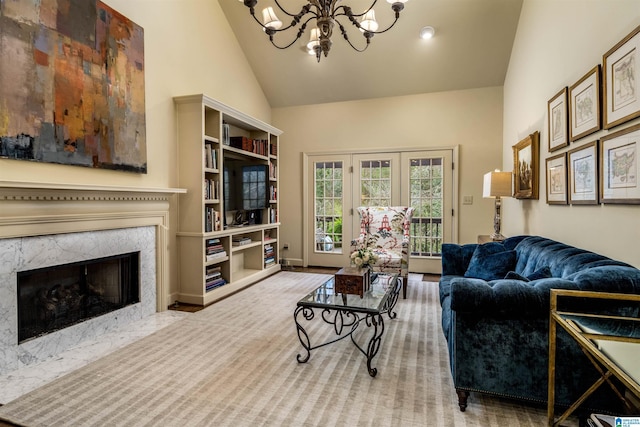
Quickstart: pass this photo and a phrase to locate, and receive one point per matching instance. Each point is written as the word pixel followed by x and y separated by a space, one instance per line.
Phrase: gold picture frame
pixel 621 72
pixel 525 167
pixel 584 105
pixel 557 112
pixel 620 166
pixel 583 174
pixel 556 173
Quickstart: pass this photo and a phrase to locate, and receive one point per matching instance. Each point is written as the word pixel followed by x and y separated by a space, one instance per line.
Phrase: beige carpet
pixel 234 364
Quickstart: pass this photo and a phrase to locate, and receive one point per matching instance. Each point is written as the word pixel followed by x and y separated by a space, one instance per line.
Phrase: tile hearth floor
pixel 28 378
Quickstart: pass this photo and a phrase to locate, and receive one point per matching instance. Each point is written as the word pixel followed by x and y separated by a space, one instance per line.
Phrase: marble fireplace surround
pixel 49 224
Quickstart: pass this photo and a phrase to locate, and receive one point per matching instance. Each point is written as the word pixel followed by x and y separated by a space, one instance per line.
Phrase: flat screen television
pixel 245 186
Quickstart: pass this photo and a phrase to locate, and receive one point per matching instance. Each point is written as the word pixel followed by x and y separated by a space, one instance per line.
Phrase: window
pixel 426 197
pixel 328 206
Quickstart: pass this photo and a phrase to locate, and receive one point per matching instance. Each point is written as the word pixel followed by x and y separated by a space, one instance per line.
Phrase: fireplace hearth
pixel 45 224
pixel 56 297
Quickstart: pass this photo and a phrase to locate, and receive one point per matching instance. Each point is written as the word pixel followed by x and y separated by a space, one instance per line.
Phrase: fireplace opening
pixel 53 298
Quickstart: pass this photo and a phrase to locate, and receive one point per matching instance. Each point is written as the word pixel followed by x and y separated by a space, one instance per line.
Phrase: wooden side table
pixel 485 238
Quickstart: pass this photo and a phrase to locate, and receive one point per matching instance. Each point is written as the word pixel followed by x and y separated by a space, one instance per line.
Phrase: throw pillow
pixel 490 261
pixel 542 273
pixel 512 275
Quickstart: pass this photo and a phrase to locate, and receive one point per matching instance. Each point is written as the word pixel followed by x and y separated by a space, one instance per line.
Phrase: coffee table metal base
pixel 345 321
pixel 345 324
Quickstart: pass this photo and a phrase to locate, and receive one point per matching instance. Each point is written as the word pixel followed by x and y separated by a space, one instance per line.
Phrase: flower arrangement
pixel 364 257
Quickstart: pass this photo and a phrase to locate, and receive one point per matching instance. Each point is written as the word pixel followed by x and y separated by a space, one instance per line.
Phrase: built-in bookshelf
pixel 224 246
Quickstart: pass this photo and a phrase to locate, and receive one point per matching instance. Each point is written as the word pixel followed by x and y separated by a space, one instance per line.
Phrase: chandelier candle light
pixel 496 185
pixel 326 14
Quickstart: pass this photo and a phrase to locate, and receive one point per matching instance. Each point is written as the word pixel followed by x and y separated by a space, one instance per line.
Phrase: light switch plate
pixel 467 200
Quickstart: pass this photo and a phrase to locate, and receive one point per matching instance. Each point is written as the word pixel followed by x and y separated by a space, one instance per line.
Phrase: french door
pixel 338 184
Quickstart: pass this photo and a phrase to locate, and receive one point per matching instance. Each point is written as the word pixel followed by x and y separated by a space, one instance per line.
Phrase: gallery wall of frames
pixel 581 170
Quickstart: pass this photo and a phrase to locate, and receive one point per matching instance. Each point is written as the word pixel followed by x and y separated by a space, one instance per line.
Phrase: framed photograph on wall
pixel 619 167
pixel 557 180
pixel 525 167
pixel 621 72
pixel 557 113
pixel 584 105
pixel 583 174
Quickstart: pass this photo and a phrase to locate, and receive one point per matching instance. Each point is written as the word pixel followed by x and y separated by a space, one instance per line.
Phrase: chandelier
pixel 326 14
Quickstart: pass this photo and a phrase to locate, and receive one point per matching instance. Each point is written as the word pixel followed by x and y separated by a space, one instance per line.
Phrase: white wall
pixel 189 48
pixel 471 119
pixel 557 42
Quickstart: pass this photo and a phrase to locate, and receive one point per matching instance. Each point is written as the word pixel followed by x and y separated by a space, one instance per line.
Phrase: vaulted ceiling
pixel 471 49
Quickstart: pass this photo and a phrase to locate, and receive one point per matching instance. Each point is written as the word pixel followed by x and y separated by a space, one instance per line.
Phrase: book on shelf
pixel 208 219
pixel 225 134
pixel 273 215
pixel 213 244
pixel 213 269
pixel 212 276
pixel 211 189
pixel 216 283
pixel 214 249
pixel 269 255
pixel 210 156
pixel 240 240
pixel 256 146
pixel 217 223
pixel 211 220
pixel 216 255
pixel 273 174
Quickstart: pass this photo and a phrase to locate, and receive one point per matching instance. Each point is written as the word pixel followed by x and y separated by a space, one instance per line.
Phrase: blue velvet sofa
pixel 495 317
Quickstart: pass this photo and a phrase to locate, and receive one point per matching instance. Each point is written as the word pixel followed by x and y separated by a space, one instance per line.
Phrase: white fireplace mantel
pixel 37 209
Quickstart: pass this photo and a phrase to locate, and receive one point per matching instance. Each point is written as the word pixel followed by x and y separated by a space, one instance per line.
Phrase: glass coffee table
pixel 346 312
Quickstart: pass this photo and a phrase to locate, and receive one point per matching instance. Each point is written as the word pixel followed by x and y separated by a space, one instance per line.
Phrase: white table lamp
pixel 496 185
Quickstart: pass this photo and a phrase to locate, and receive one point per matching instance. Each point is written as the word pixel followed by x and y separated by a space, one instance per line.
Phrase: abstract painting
pixel 72 85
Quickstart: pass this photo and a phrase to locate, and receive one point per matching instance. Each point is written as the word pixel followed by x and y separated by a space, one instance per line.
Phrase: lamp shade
pixel 270 20
pixel 314 39
pixel 369 22
pixel 497 184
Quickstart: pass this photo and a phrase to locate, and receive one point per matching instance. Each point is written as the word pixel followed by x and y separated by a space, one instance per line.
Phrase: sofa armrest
pixel 504 297
pixel 609 278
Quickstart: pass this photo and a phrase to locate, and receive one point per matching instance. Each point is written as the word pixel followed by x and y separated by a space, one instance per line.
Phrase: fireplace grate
pixel 53 298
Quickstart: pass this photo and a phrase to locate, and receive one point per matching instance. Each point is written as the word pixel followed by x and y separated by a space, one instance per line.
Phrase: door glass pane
pixel 375 183
pixel 328 206
pixel 426 197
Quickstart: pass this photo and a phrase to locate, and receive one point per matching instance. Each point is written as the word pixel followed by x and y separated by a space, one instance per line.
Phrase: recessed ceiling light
pixel 427 33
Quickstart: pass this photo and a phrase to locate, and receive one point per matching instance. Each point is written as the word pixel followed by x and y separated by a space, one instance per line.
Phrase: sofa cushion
pixel 491 261
pixel 512 275
pixel 542 273
pixel 456 258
